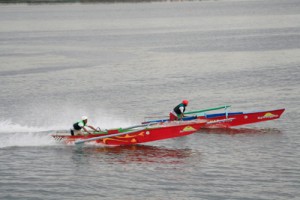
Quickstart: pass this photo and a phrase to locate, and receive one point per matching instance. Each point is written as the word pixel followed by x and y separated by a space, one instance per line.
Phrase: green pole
pixel 208 109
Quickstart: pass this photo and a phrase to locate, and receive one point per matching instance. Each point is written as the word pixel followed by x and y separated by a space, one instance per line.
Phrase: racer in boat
pixel 82 124
pixel 178 112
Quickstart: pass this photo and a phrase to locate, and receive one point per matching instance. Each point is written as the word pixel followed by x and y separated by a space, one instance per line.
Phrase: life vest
pixel 177 110
pixel 76 125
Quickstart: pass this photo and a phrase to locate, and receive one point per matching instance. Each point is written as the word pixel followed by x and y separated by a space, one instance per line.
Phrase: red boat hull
pixel 241 119
pixel 159 132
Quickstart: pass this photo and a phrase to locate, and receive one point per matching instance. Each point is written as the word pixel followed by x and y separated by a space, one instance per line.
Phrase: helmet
pixel 185 102
pixel 84 117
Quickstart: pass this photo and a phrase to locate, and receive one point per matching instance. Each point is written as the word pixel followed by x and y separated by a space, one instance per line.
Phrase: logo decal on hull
pixel 220 121
pixel 268 116
pixel 187 129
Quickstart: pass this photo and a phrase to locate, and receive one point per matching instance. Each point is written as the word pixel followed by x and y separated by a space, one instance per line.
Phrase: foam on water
pixel 7 126
pixel 12 134
pixel 26 139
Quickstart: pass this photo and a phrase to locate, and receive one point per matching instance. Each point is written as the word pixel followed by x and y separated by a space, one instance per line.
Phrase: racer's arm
pixel 86 130
pixel 181 114
pixel 92 127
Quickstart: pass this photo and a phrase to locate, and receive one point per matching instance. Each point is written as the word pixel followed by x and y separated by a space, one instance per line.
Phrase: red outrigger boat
pixel 164 129
pixel 135 134
pixel 228 119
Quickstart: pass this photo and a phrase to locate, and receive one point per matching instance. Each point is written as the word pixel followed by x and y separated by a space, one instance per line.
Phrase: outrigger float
pixel 135 134
pixel 227 119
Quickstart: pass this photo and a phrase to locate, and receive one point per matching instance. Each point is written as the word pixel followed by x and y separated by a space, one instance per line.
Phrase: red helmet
pixel 185 102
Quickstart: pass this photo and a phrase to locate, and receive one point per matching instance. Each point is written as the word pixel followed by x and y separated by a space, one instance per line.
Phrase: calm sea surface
pixel 122 63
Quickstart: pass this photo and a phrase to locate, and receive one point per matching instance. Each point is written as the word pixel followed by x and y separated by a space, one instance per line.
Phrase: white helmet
pixel 84 117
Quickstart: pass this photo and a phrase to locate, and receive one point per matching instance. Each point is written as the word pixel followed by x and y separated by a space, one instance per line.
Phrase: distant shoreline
pixel 80 1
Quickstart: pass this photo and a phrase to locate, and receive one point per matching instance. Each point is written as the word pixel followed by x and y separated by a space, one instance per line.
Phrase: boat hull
pixel 227 120
pixel 237 119
pixel 157 132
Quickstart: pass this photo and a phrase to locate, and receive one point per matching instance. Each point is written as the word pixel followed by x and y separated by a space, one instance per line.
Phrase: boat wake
pixel 25 139
pixel 12 135
pixel 7 126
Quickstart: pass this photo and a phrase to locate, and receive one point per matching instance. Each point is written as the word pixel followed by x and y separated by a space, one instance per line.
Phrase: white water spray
pixel 26 139
pixel 12 134
pixel 7 126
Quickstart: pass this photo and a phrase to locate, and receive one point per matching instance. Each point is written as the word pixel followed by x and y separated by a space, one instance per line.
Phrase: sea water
pixel 123 63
